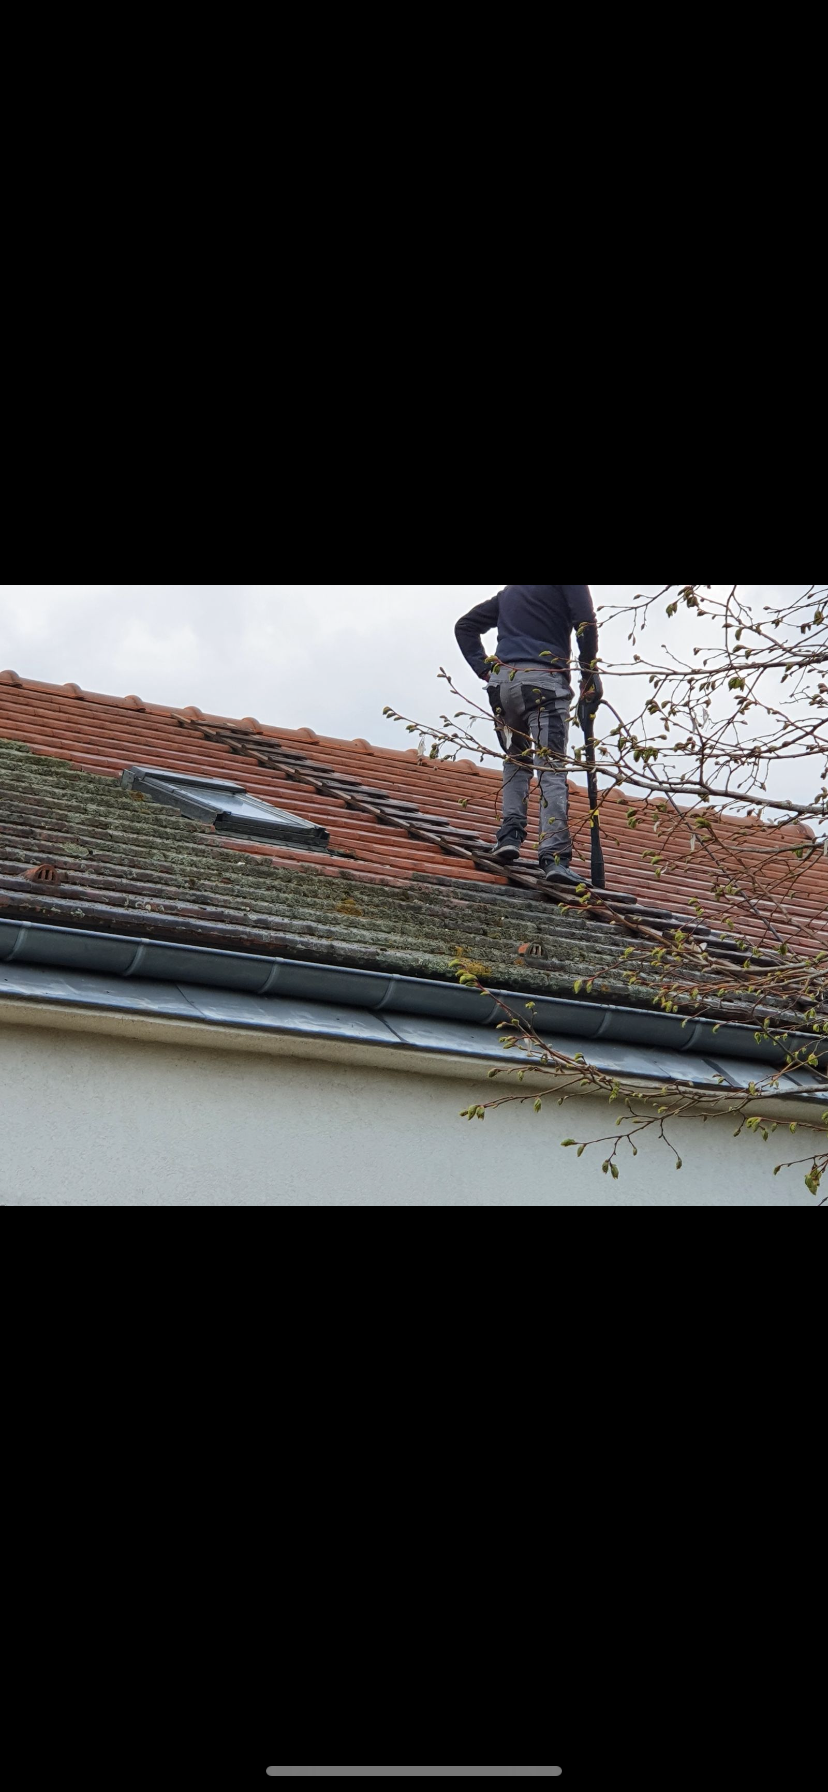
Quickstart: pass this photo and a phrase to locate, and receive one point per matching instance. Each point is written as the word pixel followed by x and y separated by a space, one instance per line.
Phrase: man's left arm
pixel 585 622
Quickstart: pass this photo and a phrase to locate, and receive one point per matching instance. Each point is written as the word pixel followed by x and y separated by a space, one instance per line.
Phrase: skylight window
pixel 229 807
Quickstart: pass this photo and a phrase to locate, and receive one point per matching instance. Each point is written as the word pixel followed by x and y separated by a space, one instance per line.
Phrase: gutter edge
pixel 121 955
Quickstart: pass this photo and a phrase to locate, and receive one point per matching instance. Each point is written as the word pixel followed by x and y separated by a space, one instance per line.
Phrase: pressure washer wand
pixel 587 711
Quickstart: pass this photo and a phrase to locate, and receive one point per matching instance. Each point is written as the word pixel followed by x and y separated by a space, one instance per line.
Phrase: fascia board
pixel 169 1030
pixel 427 1036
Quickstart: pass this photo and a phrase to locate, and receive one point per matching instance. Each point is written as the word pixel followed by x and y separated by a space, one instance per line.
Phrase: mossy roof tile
pixel 61 756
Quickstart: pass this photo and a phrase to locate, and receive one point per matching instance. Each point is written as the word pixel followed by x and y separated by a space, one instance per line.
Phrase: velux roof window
pixel 229 807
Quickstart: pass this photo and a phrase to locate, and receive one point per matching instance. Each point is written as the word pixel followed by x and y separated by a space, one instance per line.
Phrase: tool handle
pixel 587 711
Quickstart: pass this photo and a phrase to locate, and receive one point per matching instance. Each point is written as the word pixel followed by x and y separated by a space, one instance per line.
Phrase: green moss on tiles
pixel 112 844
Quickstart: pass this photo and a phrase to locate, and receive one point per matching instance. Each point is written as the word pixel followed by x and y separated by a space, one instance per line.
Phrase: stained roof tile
pixel 103 735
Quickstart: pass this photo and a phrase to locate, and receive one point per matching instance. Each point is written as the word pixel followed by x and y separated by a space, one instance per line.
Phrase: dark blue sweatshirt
pixel 535 624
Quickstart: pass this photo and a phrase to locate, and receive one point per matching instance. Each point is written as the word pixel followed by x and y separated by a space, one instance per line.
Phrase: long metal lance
pixel 587 711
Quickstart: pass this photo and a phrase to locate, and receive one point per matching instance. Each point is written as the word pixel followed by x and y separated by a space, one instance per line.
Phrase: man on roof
pixel 530 690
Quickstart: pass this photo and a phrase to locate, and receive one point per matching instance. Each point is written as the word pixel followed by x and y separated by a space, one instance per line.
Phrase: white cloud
pixel 330 656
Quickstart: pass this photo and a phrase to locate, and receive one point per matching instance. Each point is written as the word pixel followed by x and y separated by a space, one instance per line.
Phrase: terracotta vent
pixel 45 874
pixel 306 734
pixel 133 703
pixel 73 690
pixel 10 678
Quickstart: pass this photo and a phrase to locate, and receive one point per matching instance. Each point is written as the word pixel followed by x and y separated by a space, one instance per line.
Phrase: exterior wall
pixel 87 1120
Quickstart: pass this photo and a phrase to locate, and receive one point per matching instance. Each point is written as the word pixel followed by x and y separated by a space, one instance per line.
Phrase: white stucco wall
pixel 91 1120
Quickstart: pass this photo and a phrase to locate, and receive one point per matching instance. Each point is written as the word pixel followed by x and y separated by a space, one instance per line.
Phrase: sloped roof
pixel 356 791
pixel 80 851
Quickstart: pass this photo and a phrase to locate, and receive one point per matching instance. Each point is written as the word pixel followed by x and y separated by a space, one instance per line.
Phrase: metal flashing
pixel 432 1036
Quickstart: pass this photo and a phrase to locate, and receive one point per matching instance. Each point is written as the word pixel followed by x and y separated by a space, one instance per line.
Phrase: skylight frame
pixel 233 811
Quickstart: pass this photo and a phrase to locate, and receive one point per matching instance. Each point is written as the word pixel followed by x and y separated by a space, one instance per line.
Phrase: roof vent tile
pixel 45 874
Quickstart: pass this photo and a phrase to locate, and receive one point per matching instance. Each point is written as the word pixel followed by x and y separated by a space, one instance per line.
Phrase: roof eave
pixel 127 956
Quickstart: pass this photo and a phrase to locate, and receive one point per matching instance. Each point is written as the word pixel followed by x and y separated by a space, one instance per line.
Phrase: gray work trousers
pixel 535 706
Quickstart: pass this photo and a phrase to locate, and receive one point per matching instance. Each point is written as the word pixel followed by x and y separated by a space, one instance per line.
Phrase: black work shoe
pixel 507 850
pixel 556 872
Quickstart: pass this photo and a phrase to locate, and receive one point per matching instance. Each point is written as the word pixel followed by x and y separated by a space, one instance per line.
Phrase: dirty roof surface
pixel 402 885
pixel 81 851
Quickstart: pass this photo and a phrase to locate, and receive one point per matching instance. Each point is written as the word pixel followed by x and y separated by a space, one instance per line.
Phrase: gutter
pixel 123 956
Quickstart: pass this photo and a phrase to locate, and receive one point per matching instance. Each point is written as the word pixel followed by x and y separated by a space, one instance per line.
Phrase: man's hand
pixel 592 687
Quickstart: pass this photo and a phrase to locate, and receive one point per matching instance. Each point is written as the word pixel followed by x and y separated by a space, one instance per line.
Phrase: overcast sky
pixel 324 656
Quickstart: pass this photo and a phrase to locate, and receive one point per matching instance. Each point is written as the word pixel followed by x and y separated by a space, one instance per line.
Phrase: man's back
pixel 535 624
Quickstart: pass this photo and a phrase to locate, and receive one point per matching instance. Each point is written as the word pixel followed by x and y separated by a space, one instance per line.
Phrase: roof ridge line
pixel 193 713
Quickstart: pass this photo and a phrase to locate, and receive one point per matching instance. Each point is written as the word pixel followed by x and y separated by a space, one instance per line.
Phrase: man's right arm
pixel 470 631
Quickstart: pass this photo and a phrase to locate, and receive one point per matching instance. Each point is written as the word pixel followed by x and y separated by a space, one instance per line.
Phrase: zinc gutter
pixel 125 956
